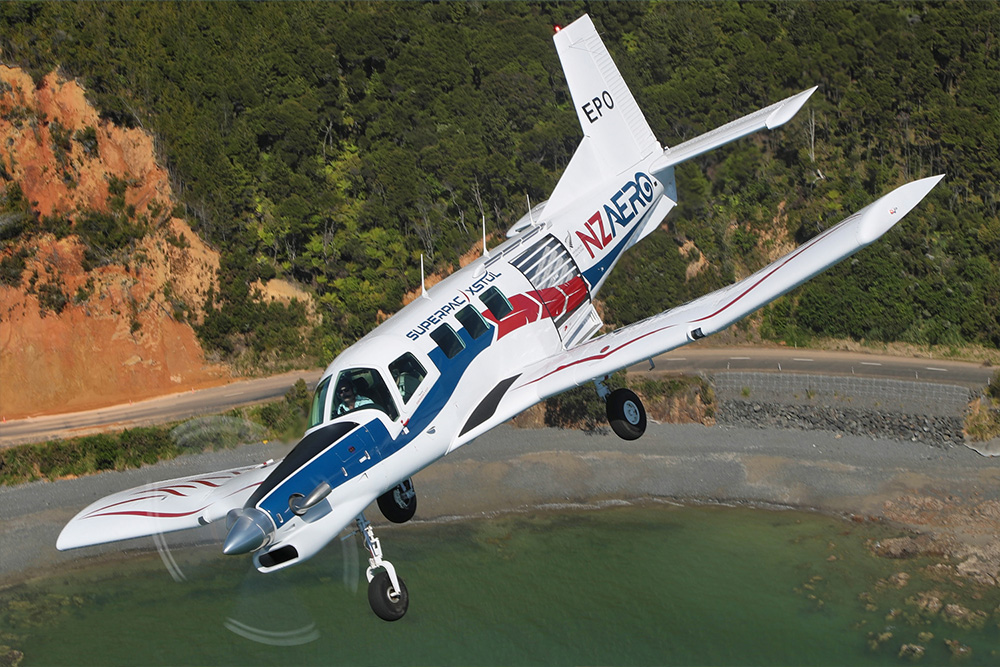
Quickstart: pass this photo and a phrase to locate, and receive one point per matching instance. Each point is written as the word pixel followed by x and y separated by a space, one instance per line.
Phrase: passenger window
pixel 359 388
pixel 407 373
pixel 497 303
pixel 448 340
pixel 472 321
pixel 319 402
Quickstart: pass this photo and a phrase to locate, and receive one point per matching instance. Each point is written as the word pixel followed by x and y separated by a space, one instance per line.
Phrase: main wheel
pixel 387 604
pixel 395 506
pixel 626 414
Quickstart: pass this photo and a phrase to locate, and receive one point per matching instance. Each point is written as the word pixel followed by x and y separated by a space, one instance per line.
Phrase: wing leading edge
pixel 708 314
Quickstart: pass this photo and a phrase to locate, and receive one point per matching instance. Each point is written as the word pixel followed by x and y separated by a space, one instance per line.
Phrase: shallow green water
pixel 655 584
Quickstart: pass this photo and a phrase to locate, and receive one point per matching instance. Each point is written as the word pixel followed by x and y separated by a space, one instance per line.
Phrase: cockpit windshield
pixel 318 403
pixel 359 388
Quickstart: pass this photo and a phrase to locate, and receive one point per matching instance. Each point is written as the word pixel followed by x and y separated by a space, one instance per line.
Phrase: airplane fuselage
pixel 463 342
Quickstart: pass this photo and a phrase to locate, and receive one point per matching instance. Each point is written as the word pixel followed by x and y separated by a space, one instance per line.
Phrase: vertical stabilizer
pixel 616 135
pixel 610 118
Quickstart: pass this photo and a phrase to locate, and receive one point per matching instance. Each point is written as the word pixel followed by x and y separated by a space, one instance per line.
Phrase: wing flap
pixel 177 504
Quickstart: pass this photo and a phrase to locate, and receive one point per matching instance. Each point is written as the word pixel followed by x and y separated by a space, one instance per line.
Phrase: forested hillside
pixel 333 143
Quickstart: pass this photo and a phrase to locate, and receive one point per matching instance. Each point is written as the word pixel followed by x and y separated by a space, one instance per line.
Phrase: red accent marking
pixel 554 301
pixel 550 302
pixel 206 483
pixel 526 310
pixel 248 486
pixel 592 240
pixel 153 515
pixel 171 489
pixel 771 272
pixel 600 355
pixel 124 502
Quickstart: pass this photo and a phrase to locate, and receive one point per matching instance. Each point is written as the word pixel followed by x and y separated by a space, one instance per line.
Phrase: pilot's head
pixel 345 391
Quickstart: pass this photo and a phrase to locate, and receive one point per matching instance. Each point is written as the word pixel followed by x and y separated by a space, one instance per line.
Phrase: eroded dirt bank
pixel 71 337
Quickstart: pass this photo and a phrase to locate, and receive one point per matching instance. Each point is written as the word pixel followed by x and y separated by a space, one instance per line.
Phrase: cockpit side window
pixel 497 303
pixel 359 388
pixel 319 402
pixel 407 373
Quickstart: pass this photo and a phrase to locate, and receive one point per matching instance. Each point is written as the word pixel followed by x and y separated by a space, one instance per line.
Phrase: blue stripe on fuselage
pixel 337 465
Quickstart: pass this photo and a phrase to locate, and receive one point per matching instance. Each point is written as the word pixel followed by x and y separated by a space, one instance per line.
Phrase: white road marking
pixel 235 393
pixel 869 363
pixel 800 359
pixel 740 358
pixel 940 370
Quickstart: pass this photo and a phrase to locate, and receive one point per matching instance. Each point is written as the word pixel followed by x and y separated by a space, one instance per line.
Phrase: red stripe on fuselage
pixel 550 302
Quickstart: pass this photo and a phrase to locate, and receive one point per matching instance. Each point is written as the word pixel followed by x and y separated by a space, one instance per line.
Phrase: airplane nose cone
pixel 249 531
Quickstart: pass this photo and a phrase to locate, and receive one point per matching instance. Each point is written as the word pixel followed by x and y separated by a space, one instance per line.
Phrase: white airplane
pixel 491 340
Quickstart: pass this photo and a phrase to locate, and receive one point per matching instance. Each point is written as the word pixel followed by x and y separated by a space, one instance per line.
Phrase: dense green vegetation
pixel 332 143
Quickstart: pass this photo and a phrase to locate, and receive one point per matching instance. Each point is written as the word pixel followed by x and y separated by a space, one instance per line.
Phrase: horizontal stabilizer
pixel 768 118
pixel 163 507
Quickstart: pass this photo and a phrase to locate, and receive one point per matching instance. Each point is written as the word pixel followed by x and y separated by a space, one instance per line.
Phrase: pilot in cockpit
pixel 348 399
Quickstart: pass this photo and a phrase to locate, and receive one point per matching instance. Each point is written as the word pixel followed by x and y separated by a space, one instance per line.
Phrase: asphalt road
pixel 172 407
pixel 690 359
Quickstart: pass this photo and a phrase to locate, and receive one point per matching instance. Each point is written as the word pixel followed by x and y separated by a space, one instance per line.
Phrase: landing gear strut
pixel 386 592
pixel 625 412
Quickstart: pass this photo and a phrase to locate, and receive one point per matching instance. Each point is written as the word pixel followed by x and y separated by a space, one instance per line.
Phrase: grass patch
pixel 982 422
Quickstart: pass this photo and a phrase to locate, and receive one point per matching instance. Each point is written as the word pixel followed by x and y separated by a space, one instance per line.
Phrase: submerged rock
pixel 10 657
pixel 958 649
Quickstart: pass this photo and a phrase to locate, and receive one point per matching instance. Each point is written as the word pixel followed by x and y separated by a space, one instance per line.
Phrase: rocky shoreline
pixel 934 430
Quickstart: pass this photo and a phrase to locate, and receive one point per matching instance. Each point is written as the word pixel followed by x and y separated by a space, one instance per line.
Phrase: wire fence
pixel 880 393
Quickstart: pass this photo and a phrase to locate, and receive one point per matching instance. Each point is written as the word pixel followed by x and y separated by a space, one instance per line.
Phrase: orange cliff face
pixel 120 331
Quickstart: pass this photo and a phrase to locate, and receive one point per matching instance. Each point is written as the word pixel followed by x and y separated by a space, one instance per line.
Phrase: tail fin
pixel 608 113
pixel 616 135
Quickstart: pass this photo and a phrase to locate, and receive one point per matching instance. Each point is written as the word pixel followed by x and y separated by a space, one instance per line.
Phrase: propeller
pixel 266 608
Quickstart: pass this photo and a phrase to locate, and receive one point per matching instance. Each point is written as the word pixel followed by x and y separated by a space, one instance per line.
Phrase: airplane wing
pixel 176 504
pixel 706 315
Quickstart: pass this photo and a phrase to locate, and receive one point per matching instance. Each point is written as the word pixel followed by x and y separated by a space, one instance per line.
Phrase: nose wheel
pixel 386 592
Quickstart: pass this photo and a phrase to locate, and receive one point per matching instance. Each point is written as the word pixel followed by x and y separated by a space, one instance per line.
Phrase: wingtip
pixel 890 209
pixel 788 108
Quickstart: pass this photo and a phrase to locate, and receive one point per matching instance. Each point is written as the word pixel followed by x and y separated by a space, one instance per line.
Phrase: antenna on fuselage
pixel 531 218
pixel 486 253
pixel 423 287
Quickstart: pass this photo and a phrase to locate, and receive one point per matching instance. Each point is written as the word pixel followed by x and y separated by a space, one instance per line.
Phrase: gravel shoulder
pixel 950 492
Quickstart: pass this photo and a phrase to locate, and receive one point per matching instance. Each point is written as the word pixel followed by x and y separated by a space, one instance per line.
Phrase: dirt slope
pixel 122 330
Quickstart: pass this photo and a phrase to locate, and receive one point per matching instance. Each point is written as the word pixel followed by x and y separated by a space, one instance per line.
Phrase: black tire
pixel 626 414
pixel 394 507
pixel 386 606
